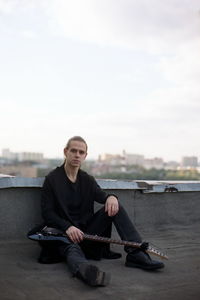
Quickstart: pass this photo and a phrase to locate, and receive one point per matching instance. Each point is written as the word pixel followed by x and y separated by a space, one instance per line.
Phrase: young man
pixel 68 198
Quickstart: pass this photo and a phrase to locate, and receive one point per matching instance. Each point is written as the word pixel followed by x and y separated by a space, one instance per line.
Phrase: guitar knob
pixel 144 246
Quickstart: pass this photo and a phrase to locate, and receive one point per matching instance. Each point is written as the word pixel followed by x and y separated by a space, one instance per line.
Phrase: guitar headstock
pixel 156 252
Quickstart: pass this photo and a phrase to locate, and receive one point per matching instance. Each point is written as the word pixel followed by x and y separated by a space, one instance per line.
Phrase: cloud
pixel 170 30
pixel 29 34
pixel 7 6
pixel 152 26
pixel 167 30
pixel 184 65
pixel 146 25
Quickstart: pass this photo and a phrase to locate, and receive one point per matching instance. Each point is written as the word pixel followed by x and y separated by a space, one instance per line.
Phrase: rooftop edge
pixel 145 186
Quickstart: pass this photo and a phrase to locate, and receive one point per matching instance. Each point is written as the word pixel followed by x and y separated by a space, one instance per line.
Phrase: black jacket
pixel 55 193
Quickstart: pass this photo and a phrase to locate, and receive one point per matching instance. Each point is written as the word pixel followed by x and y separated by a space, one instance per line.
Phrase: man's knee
pixel 71 248
pixel 122 213
pixel 121 208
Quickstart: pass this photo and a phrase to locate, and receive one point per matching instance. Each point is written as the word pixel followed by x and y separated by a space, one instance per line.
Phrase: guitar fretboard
pixel 98 238
pixel 148 249
pixel 47 231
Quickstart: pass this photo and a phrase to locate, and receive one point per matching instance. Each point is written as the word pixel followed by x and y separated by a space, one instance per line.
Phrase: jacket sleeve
pixel 48 206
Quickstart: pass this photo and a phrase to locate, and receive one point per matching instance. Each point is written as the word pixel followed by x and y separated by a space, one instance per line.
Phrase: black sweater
pixel 56 193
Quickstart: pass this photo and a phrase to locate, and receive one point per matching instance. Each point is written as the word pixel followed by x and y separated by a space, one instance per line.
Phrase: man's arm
pixel 110 200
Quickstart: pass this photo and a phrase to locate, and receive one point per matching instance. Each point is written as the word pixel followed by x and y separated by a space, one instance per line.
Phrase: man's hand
pixel 111 206
pixel 75 234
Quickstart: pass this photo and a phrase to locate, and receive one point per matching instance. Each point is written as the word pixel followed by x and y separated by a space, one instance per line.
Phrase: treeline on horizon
pixel 139 173
pixel 153 174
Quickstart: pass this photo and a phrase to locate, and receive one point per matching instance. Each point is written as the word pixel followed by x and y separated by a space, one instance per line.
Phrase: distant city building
pixel 189 161
pixel 33 164
pixel 31 156
pixel 133 159
pixel 6 153
pixel 22 156
pixel 156 163
pixel 128 159
pixel 171 165
pixel 112 159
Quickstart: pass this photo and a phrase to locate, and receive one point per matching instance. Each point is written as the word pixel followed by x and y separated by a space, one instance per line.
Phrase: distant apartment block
pixel 127 159
pixel 189 162
pixel 32 156
pixel 171 165
pixel 22 156
pixel 133 159
pixel 7 154
pixel 154 163
pixel 111 159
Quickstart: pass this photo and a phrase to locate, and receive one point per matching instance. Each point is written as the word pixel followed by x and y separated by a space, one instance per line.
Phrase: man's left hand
pixel 111 206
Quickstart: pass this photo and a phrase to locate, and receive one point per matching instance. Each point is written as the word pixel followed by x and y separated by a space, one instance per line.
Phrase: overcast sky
pixel 124 74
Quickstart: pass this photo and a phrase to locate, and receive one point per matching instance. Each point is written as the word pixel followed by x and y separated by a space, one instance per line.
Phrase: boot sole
pixel 104 279
pixel 93 276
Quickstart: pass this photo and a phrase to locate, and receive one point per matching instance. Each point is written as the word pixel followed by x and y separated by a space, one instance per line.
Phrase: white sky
pixel 124 74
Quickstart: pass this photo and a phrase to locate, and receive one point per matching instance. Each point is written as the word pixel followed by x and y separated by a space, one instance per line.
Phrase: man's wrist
pixel 110 195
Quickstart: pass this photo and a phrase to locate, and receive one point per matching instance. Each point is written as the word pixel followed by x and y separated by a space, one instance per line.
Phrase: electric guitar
pixel 52 234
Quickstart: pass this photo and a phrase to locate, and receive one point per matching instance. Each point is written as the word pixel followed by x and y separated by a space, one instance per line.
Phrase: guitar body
pixel 43 237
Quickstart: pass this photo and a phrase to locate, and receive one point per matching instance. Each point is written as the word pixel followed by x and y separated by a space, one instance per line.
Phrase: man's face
pixel 75 154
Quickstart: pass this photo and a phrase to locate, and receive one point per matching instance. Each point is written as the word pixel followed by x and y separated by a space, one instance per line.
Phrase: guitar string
pixel 150 248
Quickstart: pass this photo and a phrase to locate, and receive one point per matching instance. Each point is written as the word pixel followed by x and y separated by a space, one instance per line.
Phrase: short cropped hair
pixel 76 138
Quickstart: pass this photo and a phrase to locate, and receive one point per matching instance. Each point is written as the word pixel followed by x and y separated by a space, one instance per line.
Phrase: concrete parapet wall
pixel 151 205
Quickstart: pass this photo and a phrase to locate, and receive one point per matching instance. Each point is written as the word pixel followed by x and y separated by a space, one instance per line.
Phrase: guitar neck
pixel 148 249
pixel 110 241
pixel 47 231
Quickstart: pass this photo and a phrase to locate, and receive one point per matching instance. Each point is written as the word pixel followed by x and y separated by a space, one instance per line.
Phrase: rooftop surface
pixel 23 278
pixel 168 220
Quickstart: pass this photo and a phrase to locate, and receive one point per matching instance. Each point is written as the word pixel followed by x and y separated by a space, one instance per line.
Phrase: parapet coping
pixel 145 186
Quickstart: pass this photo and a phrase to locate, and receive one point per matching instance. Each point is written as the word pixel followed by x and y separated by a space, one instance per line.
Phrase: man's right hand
pixel 75 234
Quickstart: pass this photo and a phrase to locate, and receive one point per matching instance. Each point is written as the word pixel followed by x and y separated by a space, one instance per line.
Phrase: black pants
pixel 75 254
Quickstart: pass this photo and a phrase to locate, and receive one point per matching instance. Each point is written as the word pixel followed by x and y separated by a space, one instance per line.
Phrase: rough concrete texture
pixel 21 277
pixel 153 211
pixel 169 221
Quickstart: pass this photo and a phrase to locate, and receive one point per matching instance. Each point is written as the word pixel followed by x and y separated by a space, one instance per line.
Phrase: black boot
pixel 92 275
pixel 141 259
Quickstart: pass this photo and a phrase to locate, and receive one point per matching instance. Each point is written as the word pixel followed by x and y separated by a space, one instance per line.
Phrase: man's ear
pixel 65 151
